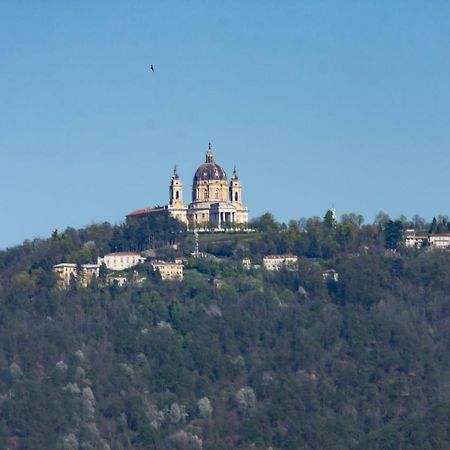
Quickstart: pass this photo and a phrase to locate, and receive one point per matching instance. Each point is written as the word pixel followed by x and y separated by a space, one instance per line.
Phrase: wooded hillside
pixel 229 358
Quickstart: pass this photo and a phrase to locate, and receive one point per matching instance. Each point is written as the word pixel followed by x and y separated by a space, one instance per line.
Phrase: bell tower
pixel 176 191
pixel 235 189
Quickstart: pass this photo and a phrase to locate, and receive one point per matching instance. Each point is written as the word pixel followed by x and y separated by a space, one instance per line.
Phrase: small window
pixel 177 195
pixel 236 197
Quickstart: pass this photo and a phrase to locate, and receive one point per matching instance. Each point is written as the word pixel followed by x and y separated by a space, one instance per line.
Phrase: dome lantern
pixel 209 155
pixel 210 170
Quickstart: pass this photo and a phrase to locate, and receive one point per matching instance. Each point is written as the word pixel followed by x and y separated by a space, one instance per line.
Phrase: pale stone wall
pixel 169 271
pixel 65 272
pixel 210 191
pixel 439 240
pixel 68 271
pixel 276 262
pixel 178 213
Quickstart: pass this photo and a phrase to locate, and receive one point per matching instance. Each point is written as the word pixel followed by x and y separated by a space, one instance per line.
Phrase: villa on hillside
pixel 67 273
pixel 169 270
pixel 277 262
pixel 121 260
pixel 412 240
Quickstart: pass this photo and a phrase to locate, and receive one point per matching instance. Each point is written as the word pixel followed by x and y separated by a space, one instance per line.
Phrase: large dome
pixel 210 171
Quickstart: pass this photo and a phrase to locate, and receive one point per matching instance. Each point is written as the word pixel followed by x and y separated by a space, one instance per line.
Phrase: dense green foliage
pixel 229 358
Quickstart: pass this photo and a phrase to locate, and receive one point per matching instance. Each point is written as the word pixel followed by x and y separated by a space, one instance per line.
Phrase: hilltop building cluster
pixel 216 203
pixel 84 274
pixel 440 241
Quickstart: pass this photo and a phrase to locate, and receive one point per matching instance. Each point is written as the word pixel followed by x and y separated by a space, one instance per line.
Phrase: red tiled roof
pixel 279 256
pixel 122 254
pixel 139 212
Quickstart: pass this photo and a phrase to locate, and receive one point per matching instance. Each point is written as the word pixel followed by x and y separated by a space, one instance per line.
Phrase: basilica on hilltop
pixel 216 203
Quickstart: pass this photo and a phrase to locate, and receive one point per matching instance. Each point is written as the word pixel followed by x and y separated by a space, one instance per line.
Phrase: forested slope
pixel 229 358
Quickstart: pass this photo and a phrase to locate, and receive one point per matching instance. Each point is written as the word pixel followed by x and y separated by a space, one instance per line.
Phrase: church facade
pixel 216 203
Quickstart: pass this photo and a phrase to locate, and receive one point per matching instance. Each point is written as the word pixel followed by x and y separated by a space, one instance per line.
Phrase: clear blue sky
pixel 316 102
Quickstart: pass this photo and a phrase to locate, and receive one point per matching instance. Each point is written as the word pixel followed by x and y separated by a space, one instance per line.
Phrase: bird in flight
pixel 152 68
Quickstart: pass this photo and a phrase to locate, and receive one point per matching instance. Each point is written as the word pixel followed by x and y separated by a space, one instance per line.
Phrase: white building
pixel 276 262
pixel 330 275
pixel 414 241
pixel 121 260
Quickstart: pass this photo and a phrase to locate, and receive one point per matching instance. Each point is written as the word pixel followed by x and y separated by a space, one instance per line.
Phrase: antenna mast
pixel 196 252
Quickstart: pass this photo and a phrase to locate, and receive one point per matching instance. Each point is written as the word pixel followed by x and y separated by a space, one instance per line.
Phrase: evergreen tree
pixel 393 234
pixel 433 226
pixel 329 219
pixel 102 273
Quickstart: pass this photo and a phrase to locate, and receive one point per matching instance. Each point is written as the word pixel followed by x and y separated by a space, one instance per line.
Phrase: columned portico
pixel 222 214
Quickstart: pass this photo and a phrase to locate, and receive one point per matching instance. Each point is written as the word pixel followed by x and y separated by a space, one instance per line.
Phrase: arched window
pixel 177 195
pixel 216 195
pixel 206 193
pixel 236 197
